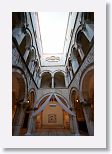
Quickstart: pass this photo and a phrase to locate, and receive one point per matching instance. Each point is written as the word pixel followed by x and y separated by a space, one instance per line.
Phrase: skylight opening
pixel 53 29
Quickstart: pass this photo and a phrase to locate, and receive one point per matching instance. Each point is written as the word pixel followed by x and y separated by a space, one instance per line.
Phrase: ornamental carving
pixel 51 118
pixel 53 59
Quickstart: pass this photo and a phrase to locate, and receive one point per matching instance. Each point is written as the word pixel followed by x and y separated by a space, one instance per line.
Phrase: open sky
pixel 53 28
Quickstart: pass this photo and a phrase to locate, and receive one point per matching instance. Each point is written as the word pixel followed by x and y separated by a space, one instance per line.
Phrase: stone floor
pixel 52 132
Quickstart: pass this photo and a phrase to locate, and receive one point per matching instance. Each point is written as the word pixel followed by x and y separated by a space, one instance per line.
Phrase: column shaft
pixel 71 125
pixel 71 74
pixel 75 124
pixel 66 80
pixel 18 120
pixel 39 82
pixel 90 124
pixel 52 82
pixel 29 130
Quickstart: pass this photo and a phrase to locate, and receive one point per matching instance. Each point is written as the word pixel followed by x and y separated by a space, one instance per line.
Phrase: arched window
pixel 59 79
pixel 46 80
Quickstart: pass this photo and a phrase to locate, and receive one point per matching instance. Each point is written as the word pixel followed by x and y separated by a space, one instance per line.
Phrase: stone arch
pixel 75 58
pixel 26 42
pixel 83 42
pixel 52 108
pixel 59 79
pixel 41 100
pixel 87 92
pixel 45 72
pixel 48 94
pixel 31 100
pixel 31 96
pixel 78 109
pixel 63 98
pixel 77 31
pixel 33 48
pixel 88 86
pixel 46 80
pixel 28 31
pixel 76 54
pixel 71 90
pixel 59 71
pixel 19 99
pixel 88 71
pixel 30 55
pixel 19 75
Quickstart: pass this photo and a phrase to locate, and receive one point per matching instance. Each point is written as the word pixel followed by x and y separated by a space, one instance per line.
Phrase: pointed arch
pixel 58 100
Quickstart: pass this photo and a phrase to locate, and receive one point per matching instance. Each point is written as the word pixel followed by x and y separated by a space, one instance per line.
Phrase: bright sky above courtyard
pixel 53 28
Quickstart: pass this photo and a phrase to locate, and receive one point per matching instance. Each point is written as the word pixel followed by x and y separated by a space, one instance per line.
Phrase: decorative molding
pixel 53 59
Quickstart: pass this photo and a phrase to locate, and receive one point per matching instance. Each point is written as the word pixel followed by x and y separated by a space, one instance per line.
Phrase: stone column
pixel 39 81
pixel 18 120
pixel 37 78
pixel 66 80
pixel 69 78
pixel 75 125
pixel 53 82
pixel 71 74
pixel 30 123
pixel 90 124
pixel 71 125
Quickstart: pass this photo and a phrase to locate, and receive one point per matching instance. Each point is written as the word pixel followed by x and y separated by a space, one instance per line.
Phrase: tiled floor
pixel 52 132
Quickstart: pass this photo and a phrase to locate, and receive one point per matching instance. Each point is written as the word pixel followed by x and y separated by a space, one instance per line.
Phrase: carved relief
pixel 53 59
pixel 51 118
